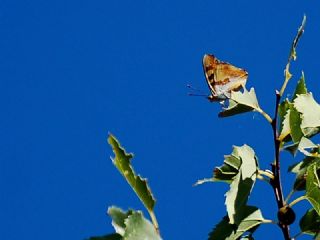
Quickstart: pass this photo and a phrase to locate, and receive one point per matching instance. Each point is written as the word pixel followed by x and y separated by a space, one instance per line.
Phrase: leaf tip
pixel 111 138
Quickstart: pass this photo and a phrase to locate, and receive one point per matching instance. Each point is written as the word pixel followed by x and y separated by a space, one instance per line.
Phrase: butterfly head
pixel 216 98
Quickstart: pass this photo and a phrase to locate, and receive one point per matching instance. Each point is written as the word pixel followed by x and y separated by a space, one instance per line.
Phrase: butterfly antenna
pixel 197 95
pixel 196 92
pixel 193 88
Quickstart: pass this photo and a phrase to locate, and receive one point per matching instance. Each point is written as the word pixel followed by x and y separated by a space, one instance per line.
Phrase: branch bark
pixel 276 181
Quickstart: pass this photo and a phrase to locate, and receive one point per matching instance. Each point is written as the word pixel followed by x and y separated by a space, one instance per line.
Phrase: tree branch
pixel 276 181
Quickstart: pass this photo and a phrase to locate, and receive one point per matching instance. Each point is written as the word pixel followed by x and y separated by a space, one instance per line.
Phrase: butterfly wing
pixel 209 67
pixel 222 77
pixel 229 78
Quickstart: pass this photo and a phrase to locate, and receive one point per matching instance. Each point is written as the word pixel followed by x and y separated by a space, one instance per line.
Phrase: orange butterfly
pixel 222 78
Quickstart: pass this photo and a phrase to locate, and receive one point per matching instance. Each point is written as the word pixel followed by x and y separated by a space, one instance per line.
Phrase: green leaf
pixel 295 123
pixel 249 237
pixel 292 148
pixel 292 55
pixel 204 180
pixel 282 110
pixel 296 39
pixel 240 103
pixel 296 133
pixel 300 182
pixel 137 183
pixel 310 222
pixel 302 146
pixel 226 172
pixel 313 186
pixel 284 126
pixel 251 218
pixel 301 87
pixel 238 195
pixel 300 169
pixel 310 111
pixel 306 143
pixel 243 182
pixel 138 228
pixel 132 225
pixel 240 169
pixel 249 161
pixel 118 218
pixel 114 236
pixel 224 231
pixel 233 160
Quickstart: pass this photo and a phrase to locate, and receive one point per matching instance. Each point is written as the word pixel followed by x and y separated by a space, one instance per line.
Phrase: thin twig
pixel 276 181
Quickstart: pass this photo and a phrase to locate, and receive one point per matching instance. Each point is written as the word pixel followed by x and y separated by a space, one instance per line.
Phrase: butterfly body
pixel 222 78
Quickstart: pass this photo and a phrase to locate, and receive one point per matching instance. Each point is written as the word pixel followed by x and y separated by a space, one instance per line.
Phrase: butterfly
pixel 222 78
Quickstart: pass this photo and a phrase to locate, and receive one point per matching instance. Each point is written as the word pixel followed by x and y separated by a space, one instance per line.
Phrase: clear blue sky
pixel 71 71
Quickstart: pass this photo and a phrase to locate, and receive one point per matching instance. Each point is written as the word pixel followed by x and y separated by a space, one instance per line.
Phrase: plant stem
pixel 276 181
pixel 154 221
pixel 266 173
pixel 260 177
pixel 287 76
pixel 292 192
pixel 267 221
pixel 297 235
pixel 265 115
pixel 289 195
pixel 299 199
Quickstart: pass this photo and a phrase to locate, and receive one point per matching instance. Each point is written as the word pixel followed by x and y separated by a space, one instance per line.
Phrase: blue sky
pixel 72 71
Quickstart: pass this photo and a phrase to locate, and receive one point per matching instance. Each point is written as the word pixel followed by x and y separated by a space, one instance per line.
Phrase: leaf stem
pixel 297 235
pixel 265 115
pixel 289 195
pixel 293 191
pixel 266 173
pixel 260 177
pixel 268 221
pixel 287 76
pixel 299 199
pixel 154 221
